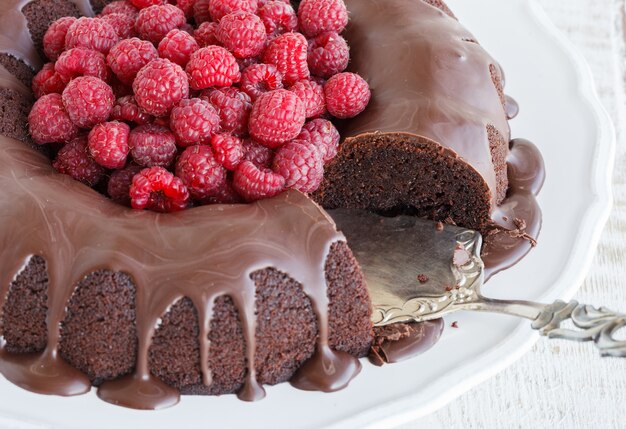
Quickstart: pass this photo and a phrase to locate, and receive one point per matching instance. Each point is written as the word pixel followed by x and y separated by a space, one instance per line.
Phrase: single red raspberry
pixel 154 22
pixel 88 100
pixel 108 144
pixel 126 109
pixel 49 122
pixel 200 172
pixel 74 160
pixel 276 118
pixel 318 16
pixel 225 195
pixel 205 34
pixel 194 121
pixel 288 52
pixel 129 56
pixel 201 13
pixel 256 153
pixel 82 62
pixel 54 39
pixel 256 183
pixel 242 33
pixel 118 187
pixel 347 95
pixel 186 6
pixel 157 189
pixel 123 24
pixel 220 8
pixel 301 164
pixel 278 17
pixel 328 54
pixel 159 86
pixel 234 108
pixel 177 46
pixel 91 33
pixel 47 81
pixel 322 134
pixel 259 78
pixel 312 95
pixel 152 145
pixel 120 6
pixel 212 66
pixel 228 150
pixel 142 4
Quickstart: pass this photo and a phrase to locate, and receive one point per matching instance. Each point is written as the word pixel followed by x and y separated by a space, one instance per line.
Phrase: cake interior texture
pixel 85 291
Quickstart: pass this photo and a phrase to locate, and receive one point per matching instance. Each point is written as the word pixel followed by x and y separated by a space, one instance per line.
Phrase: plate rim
pixel 446 389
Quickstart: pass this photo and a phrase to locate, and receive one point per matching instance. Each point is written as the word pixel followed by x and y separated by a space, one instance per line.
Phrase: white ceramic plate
pixel 561 113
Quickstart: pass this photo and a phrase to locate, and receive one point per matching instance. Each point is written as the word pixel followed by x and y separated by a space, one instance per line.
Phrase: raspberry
pixel 225 195
pixel 152 145
pixel 154 22
pixel 278 17
pixel 54 39
pixel 142 4
pixel 88 101
pixel 91 33
pixel 318 16
pixel 347 95
pixel 129 56
pixel 200 172
pixel 276 118
pixel 234 107
pixel 126 109
pixel 82 62
pixel 312 95
pixel 47 81
pixel 194 121
pixel 288 52
pixel 157 189
pixel 118 187
pixel 242 33
pixel 186 6
pixel 177 46
pixel 74 160
pixel 328 54
pixel 220 8
pixel 300 164
pixel 48 121
pixel 212 66
pixel 201 12
pixel 255 183
pixel 123 24
pixel 228 150
pixel 159 86
pixel 108 144
pixel 322 134
pixel 205 34
pixel 256 153
pixel 260 78
pixel 120 7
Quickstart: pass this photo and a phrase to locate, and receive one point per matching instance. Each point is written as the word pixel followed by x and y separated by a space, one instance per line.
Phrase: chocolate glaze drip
pixel 510 107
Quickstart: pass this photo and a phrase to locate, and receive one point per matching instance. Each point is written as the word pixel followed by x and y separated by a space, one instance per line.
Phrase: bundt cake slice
pixel 434 139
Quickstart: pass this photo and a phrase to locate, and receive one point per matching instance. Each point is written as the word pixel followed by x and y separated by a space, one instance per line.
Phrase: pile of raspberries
pixel 165 105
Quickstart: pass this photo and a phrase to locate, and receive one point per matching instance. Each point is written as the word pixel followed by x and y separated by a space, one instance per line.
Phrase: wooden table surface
pixel 560 384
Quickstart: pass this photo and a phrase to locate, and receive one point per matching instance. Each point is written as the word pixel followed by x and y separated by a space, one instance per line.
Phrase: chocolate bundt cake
pixel 225 298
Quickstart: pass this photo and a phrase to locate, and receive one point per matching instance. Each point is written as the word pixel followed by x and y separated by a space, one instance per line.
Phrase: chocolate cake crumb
pixel 439 226
pixel 41 13
pixel 422 278
pixel 520 224
pixel 17 68
pixel 454 324
pixel 14 110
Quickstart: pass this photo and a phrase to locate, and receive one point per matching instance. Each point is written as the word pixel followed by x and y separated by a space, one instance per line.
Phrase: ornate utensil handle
pixel 594 324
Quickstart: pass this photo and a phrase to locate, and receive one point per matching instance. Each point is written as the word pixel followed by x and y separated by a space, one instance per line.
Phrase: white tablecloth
pixel 560 384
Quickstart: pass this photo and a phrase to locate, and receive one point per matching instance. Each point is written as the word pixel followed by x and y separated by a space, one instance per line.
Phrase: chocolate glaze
pixel 430 78
pixel 394 344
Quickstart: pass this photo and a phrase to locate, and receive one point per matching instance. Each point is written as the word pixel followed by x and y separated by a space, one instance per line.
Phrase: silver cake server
pixel 395 253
